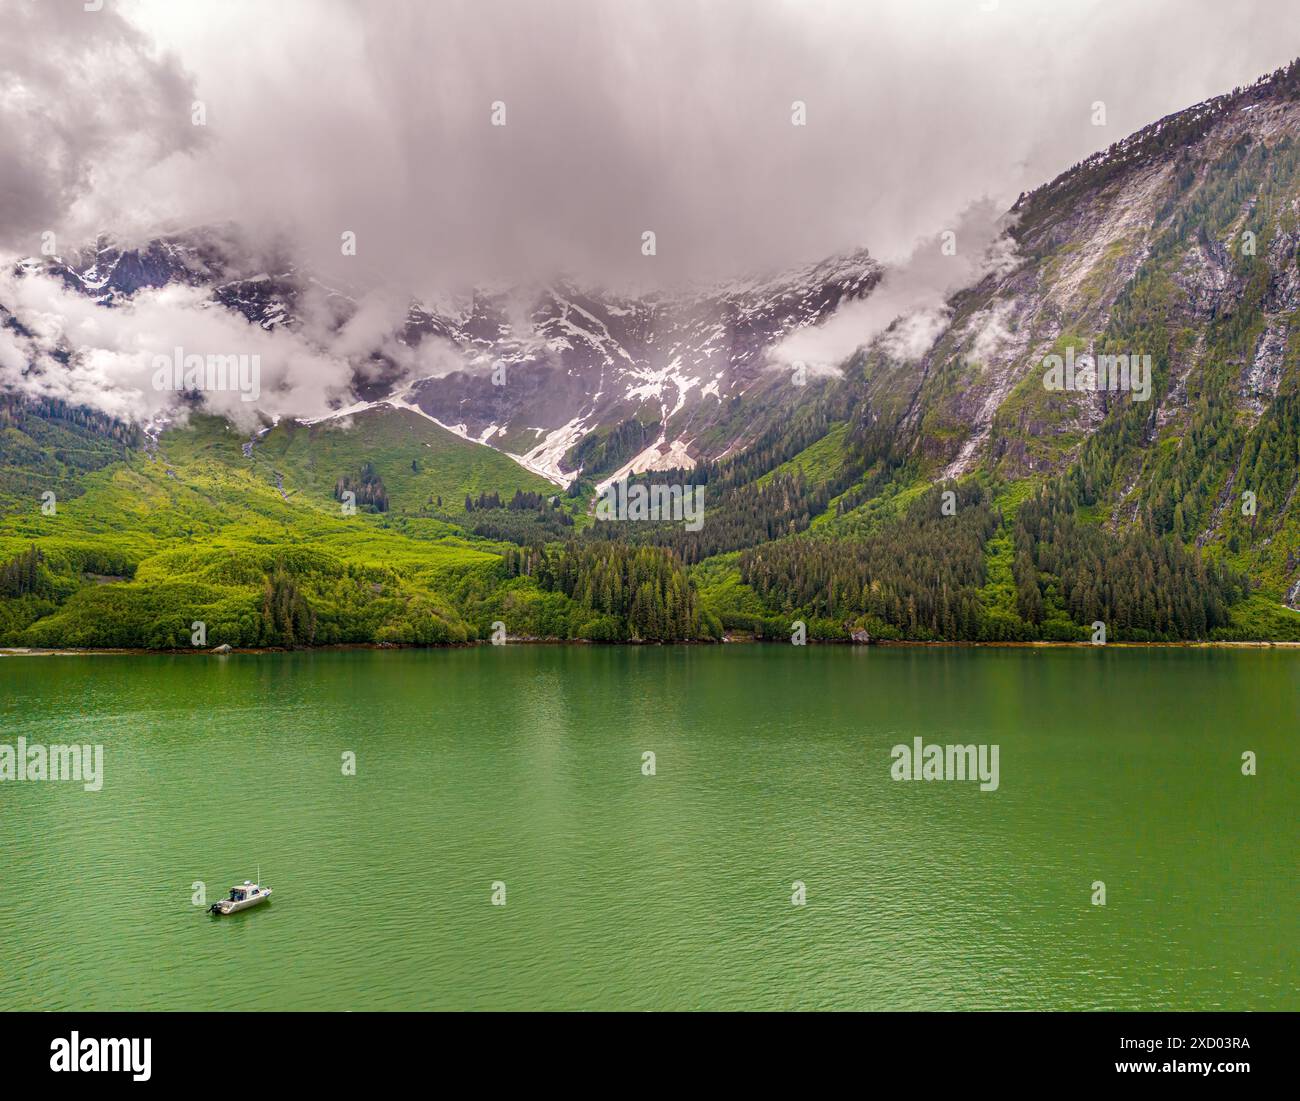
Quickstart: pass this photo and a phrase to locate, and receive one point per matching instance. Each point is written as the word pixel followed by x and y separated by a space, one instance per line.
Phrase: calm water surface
pixel 523 765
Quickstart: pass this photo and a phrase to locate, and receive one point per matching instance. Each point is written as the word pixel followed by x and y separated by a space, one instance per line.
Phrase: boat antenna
pixel 259 873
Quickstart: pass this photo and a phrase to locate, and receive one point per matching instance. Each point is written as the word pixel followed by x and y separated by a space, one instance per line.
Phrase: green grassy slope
pixel 418 461
pixel 142 548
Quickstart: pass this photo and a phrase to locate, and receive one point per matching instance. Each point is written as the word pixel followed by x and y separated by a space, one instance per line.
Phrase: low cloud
pixel 325 117
pixel 989 332
pixel 909 305
pixel 77 351
pixel 912 336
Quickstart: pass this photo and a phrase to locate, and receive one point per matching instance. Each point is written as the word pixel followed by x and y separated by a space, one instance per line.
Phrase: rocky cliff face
pixel 1172 202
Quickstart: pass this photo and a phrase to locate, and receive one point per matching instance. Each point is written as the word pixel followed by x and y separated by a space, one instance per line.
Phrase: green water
pixel 524 765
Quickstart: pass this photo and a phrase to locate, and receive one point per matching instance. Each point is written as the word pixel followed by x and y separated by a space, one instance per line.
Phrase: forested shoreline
pixel 951 566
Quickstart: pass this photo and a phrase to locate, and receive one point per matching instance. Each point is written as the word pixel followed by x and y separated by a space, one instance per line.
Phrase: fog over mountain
pixel 292 125
pixel 296 123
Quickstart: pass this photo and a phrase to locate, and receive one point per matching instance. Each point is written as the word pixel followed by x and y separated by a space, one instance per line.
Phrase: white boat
pixel 241 898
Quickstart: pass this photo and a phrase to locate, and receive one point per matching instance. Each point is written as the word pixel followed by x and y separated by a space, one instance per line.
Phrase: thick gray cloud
pixel 113 356
pixel 86 101
pixel 664 115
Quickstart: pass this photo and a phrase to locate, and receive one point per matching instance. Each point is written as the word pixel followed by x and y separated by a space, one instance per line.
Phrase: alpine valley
pixel 941 493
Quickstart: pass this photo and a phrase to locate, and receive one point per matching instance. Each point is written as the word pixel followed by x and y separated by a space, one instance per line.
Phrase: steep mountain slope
pixel 1179 243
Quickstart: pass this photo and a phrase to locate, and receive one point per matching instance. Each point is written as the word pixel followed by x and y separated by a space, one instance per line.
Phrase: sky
pixel 321 117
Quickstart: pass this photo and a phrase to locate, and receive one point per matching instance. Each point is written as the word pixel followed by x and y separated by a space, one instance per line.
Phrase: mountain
pixel 955 491
pixel 669 371
pixel 1170 205
pixel 1179 242
pixel 654 379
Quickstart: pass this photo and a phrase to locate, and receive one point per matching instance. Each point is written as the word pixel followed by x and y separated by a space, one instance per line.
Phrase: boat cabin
pixel 242 896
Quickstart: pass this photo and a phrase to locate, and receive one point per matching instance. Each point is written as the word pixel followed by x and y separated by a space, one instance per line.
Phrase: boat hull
pixel 226 906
